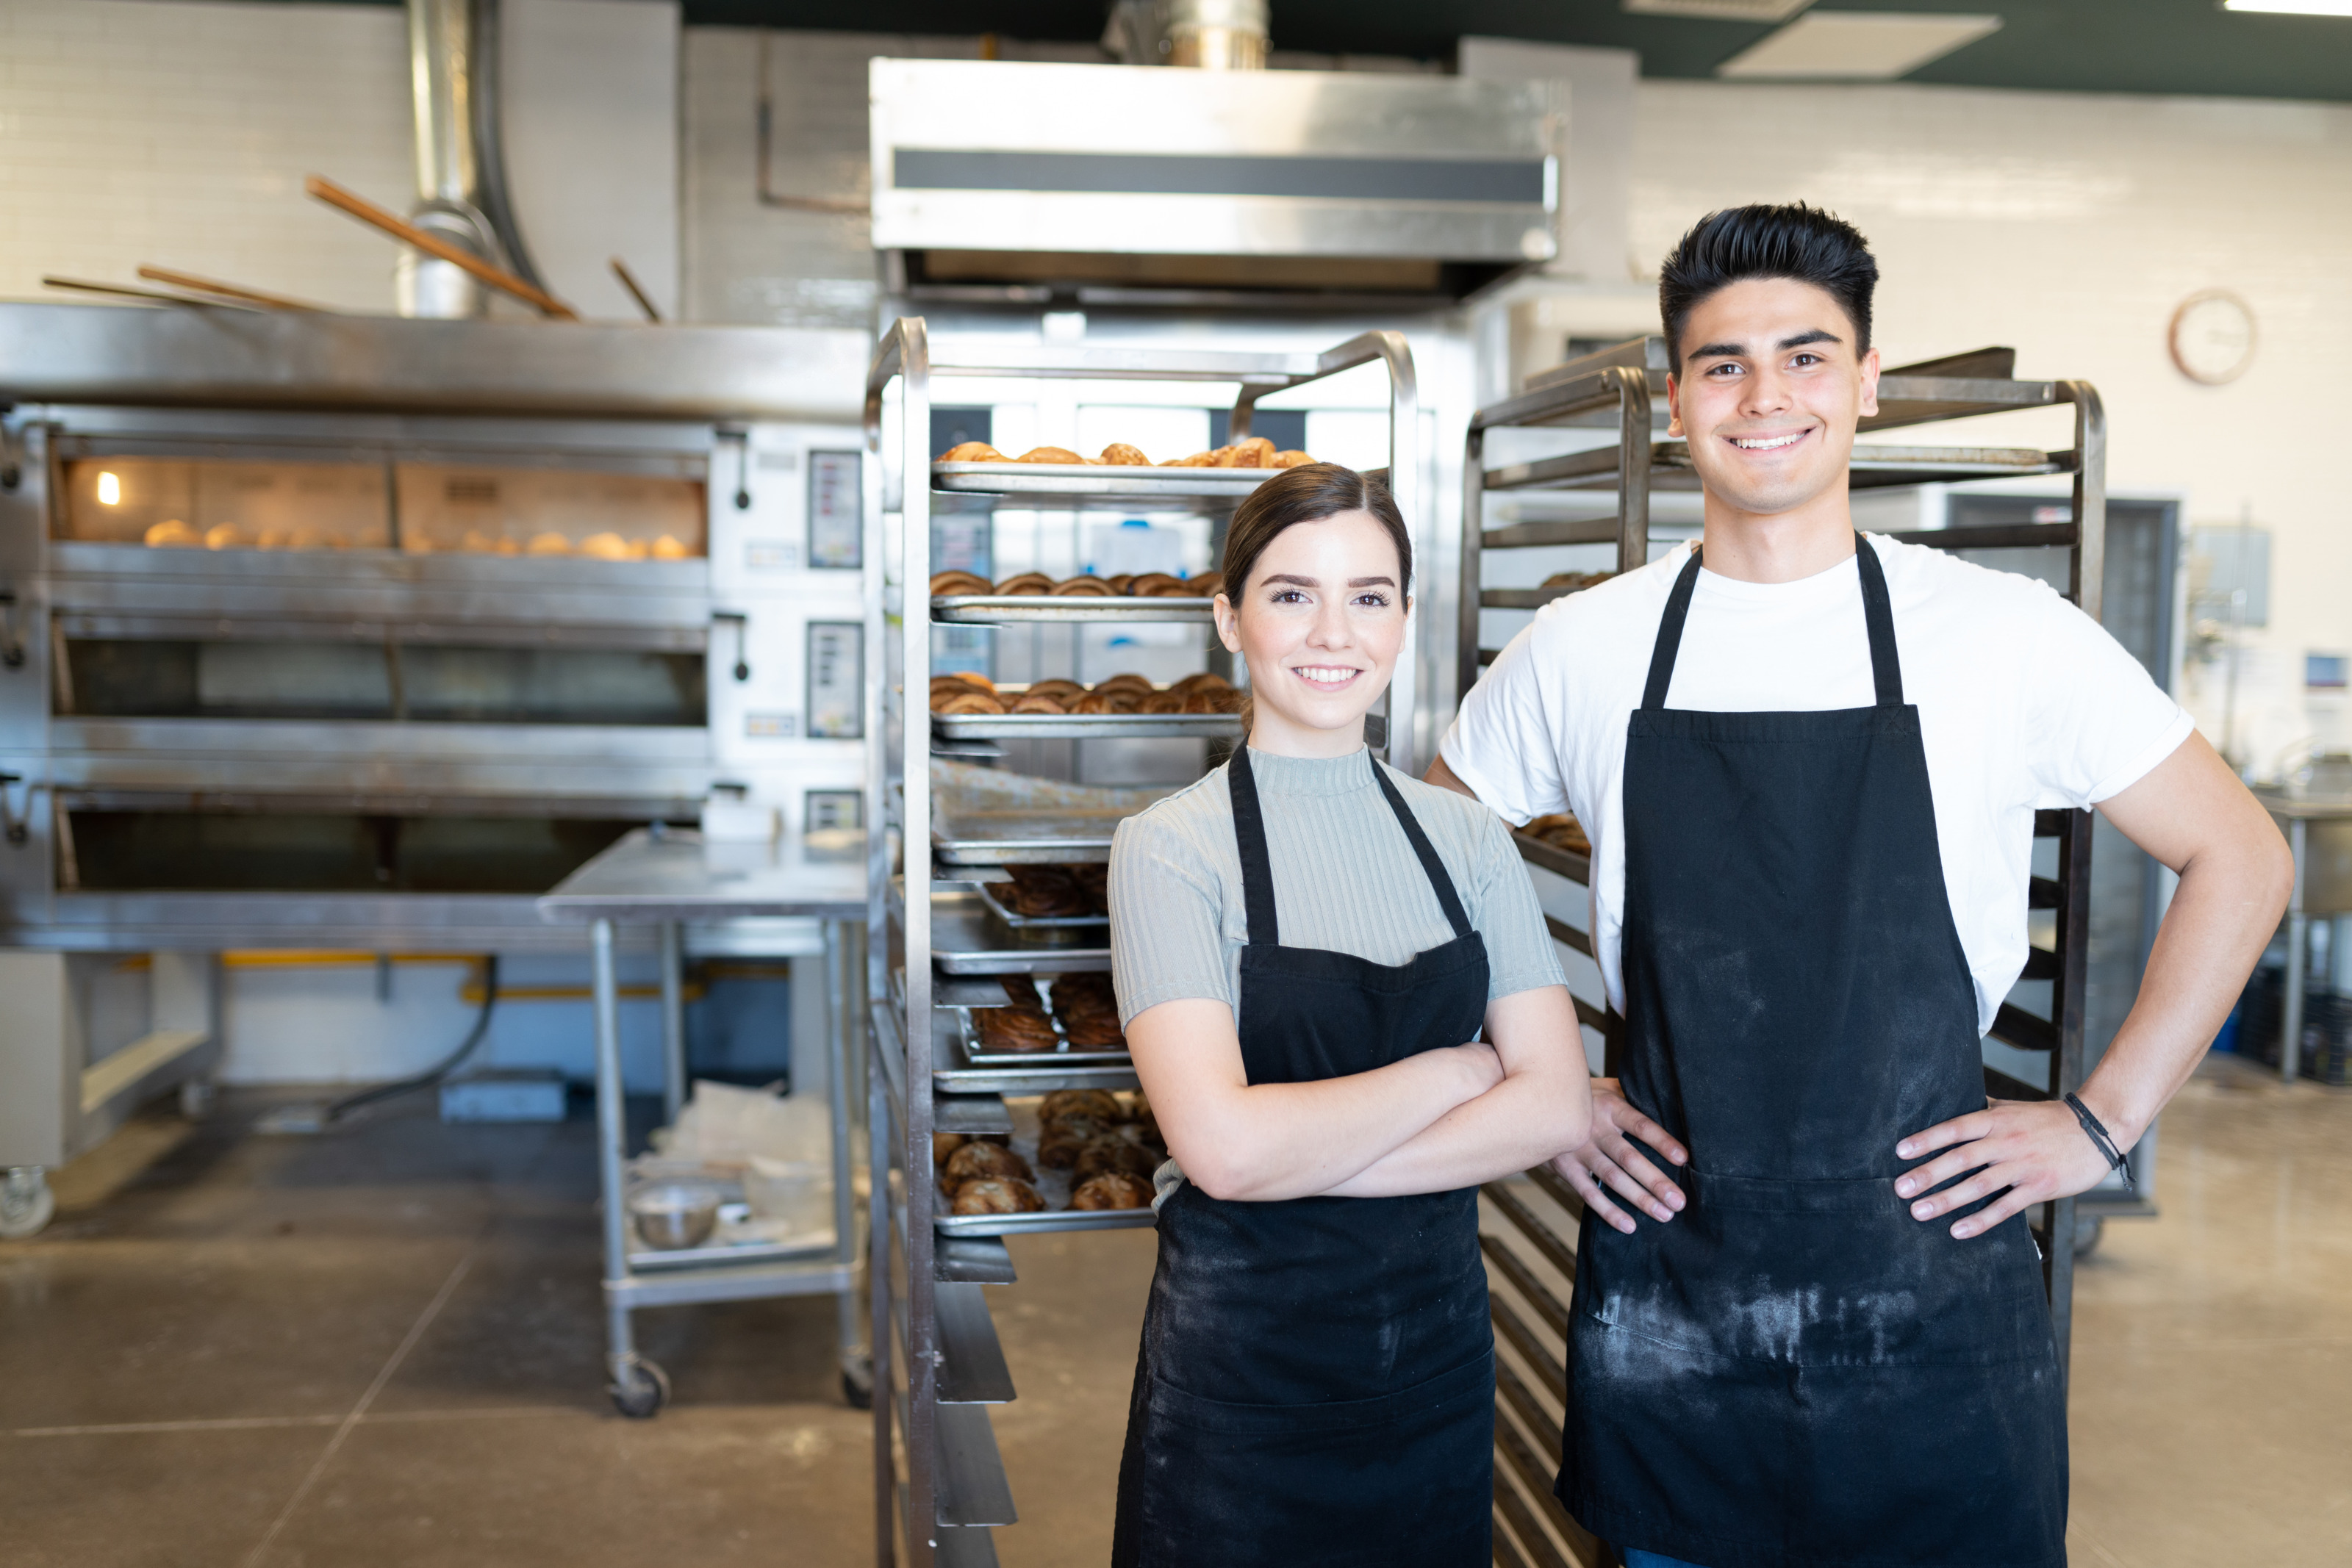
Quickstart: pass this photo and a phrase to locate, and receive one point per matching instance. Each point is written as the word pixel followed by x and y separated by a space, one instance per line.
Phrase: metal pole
pixel 2298 939
pixel 670 936
pixel 877 1284
pixel 611 1132
pixel 845 1238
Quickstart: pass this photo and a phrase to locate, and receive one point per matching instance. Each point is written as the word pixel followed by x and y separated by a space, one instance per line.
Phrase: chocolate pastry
pixel 1094 881
pixel 979 1159
pixel 966 701
pixel 1059 1143
pixel 1085 587
pixel 1061 455
pixel 1021 991
pixel 1120 455
pixel 1095 1031
pixel 1114 1153
pixel 1026 582
pixel 1112 1189
pixel 1014 1031
pixel 997 1194
pixel 944 1145
pixel 1099 1104
pixel 972 451
pixel 1091 992
pixel 1040 900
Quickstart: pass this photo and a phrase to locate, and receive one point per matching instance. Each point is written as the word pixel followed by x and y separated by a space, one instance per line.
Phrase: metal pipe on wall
pixel 461 194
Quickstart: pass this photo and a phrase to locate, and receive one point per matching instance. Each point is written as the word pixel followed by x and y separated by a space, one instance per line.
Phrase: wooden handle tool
pixel 191 281
pixel 506 282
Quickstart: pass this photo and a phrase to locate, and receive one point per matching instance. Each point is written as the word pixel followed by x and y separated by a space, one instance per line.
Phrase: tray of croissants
pixel 970 707
pixel 1033 596
pixel 1224 471
pixel 1078 1159
pixel 1075 1024
pixel 1560 830
pixel 1050 902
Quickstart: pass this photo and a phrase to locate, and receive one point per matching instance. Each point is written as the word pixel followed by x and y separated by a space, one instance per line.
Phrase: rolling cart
pixel 666 881
pixel 1528 1226
pixel 934 949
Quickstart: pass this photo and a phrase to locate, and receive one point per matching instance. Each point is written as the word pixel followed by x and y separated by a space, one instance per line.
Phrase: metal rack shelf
pixel 939 1481
pixel 1624 387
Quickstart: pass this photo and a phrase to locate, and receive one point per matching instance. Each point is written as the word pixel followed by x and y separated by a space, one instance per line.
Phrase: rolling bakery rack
pixel 1528 1227
pixel 936 949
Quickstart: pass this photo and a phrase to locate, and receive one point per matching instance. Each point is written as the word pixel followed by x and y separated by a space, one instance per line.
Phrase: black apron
pixel 1317 1379
pixel 1793 1373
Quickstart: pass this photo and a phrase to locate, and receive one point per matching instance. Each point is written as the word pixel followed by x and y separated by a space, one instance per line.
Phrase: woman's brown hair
pixel 1309 494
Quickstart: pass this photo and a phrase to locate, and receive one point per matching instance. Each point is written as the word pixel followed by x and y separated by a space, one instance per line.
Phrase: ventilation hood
pixel 1029 181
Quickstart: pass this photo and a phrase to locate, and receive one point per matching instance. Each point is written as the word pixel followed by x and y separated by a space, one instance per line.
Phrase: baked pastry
pixel 1094 881
pixel 1015 1032
pixel 1119 699
pixel 1227 699
pixel 997 1194
pixel 1055 688
pixel 968 700
pixel 1207 585
pixel 1175 587
pixel 975 1159
pixel 1051 454
pixel 944 1145
pixel 1021 991
pixel 1198 680
pixel 1291 459
pixel 1127 680
pixel 1089 587
pixel 174 534
pixel 1114 1153
pixel 1164 702
pixel 1121 584
pixel 1112 1189
pixel 971 679
pixel 1561 831
pixel 1037 702
pixel 1100 1103
pixel 972 451
pixel 1059 1143
pixel 1576 581
pixel 1149 583
pixel 1095 1031
pixel 950 583
pixel 1026 582
pixel 1254 451
pixel 1120 455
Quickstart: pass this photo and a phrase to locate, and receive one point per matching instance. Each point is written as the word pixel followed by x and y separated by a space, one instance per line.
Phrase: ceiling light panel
pixel 1723 10
pixel 1855 46
pixel 2275 7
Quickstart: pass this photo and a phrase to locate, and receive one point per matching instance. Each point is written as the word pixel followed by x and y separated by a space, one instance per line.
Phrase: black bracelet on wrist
pixel 2100 1137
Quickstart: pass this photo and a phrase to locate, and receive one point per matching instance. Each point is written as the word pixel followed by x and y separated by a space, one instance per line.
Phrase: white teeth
pixel 1766 443
pixel 1324 674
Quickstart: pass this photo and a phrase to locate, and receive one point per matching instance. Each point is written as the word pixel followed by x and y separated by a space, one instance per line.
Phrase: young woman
pixel 1307 947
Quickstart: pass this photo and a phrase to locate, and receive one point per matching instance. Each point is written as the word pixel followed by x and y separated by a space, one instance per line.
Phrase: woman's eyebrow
pixel 1292 578
pixel 1371 582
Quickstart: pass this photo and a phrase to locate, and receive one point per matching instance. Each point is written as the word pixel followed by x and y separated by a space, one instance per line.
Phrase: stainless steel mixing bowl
pixel 670 1215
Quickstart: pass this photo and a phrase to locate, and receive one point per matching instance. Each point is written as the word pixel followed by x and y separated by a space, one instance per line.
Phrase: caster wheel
pixel 857 1387
pixel 2087 1233
pixel 640 1390
pixel 26 1202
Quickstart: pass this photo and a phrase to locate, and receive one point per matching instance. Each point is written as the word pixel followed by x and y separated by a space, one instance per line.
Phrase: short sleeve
pixel 1502 742
pixel 1166 920
pixel 1519 952
pixel 2098 723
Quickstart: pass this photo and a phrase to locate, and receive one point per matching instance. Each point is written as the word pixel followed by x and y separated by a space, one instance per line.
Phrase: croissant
pixel 966 702
pixel 1120 455
pixel 950 583
pixel 1037 702
pixel 961 682
pixel 1087 587
pixel 1164 702
pixel 1256 452
pixel 1147 584
pixel 1117 700
pixel 972 451
pixel 1026 582
pixel 1112 1189
pixel 1174 588
pixel 1208 585
pixel 1125 680
pixel 1292 459
pixel 1195 681
pixel 997 1194
pixel 1054 687
pixel 1095 1031
pixel 1061 455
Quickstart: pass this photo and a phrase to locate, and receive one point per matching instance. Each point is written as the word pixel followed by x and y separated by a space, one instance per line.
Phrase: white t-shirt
pixel 2024 702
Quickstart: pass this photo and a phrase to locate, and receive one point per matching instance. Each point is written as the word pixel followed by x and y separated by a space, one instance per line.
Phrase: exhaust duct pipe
pixel 461 193
pixel 1206 34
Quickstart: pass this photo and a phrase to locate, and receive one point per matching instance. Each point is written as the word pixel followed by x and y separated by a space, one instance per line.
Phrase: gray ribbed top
pixel 1345 878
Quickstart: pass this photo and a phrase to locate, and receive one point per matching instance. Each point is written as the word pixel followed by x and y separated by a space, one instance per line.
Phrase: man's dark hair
pixel 1794 241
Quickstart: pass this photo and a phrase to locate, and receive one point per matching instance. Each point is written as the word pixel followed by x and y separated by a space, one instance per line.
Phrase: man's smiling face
pixel 1770 392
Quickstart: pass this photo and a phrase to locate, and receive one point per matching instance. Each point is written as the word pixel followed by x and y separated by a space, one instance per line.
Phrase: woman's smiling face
pixel 1320 623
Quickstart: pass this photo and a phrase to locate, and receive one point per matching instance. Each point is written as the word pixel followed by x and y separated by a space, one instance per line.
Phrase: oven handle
pixel 16 830
pixel 12 635
pixel 741 623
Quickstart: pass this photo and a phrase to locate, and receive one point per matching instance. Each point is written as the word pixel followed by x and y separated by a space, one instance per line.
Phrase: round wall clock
pixel 2212 336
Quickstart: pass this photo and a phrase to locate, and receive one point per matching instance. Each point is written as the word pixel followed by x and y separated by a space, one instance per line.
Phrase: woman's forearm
pixel 1520 1123
pixel 1259 1142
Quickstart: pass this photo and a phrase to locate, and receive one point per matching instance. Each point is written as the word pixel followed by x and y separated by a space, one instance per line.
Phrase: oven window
pixel 552 686
pixel 141 679
pixel 195 851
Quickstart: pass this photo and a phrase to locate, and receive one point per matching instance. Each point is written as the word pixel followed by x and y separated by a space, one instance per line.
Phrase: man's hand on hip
pixel 1609 1159
pixel 2035 1149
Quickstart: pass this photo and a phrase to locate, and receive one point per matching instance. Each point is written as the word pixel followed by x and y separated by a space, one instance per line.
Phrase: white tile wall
pixel 2069 226
pixel 153 130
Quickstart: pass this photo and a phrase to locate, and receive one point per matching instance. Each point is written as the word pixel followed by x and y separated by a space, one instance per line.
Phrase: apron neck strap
pixel 1258 866
pixel 1877 614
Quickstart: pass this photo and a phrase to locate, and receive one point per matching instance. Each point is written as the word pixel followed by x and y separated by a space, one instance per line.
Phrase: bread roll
pixel 1061 455
pixel 1112 1189
pixel 1120 455
pixel 668 547
pixel 174 534
pixel 1037 702
pixel 1083 587
pixel 1026 582
pixel 974 1158
pixel 1292 459
pixel 944 583
pixel 972 451
pixel 967 702
pixel 944 1145
pixel 1100 1103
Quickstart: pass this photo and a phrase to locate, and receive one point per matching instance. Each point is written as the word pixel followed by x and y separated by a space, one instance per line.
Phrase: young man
pixel 1808 764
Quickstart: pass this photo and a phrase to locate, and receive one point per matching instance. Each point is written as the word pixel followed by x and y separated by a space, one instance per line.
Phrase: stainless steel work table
pixel 2324 889
pixel 668 880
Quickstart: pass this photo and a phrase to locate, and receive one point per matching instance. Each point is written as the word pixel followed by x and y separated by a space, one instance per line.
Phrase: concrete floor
pixel 383 1346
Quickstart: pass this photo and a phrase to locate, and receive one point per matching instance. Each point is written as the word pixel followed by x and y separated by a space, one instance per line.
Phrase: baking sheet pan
pixel 1053 1186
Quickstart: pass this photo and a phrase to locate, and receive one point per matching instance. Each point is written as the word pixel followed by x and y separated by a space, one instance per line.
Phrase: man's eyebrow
pixel 1717 352
pixel 1817 334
